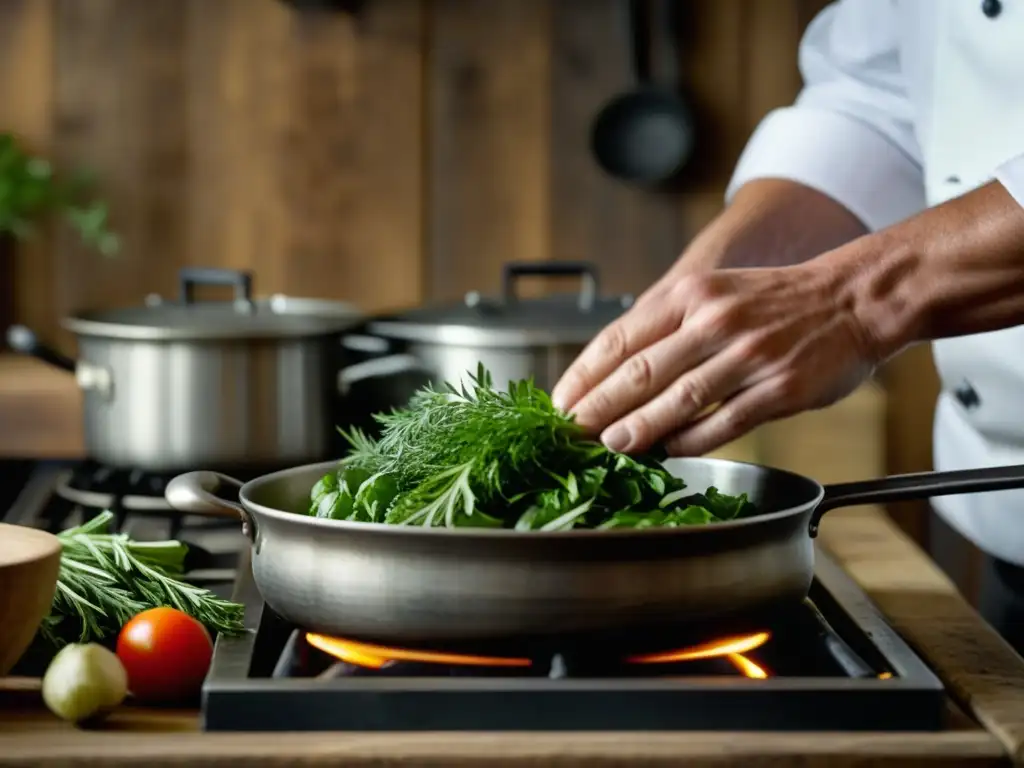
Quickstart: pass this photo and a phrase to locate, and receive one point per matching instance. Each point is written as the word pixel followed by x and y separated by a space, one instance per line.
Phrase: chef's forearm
pixel 952 270
pixel 772 222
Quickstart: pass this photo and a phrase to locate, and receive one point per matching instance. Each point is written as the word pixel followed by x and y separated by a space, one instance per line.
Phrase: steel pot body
pixel 250 383
pixel 413 585
pixel 168 405
pixel 451 362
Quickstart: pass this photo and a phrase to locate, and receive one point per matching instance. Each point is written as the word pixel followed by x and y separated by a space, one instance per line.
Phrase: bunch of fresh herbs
pixel 31 190
pixel 105 579
pixel 479 457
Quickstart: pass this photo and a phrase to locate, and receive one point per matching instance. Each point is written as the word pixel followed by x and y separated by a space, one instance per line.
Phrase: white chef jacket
pixel 906 104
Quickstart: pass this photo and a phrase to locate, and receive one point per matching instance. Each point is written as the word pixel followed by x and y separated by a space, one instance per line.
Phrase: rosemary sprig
pixel 106 578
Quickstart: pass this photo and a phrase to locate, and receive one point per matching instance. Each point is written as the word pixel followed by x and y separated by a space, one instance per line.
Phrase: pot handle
pixel 368 345
pixel 919 485
pixel 190 277
pixel 196 493
pixel 23 339
pixel 94 378
pixel 380 367
pixel 587 272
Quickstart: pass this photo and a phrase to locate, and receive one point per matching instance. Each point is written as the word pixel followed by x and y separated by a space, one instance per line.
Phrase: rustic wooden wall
pixel 396 156
pixel 386 158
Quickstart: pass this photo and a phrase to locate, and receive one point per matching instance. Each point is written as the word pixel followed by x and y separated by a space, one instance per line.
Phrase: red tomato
pixel 166 654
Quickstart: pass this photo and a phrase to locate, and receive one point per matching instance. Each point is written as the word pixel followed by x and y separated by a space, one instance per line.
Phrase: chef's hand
pixel 760 344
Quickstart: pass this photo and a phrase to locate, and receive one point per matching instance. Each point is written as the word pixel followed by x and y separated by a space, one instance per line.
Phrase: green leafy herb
pixel 105 579
pixel 29 190
pixel 479 457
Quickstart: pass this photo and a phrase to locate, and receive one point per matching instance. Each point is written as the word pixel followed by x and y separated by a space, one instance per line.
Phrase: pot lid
pixel 510 321
pixel 243 318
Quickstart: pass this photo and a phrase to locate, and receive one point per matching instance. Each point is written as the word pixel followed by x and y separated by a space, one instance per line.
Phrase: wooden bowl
pixel 29 562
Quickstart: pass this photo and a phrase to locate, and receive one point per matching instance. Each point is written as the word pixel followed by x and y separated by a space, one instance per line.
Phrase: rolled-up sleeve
pixel 850 133
pixel 1011 175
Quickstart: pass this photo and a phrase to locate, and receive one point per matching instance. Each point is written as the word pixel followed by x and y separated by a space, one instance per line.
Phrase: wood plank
pixel 26 105
pixel 712 35
pixel 163 737
pixel 771 40
pixel 913 386
pixel 120 98
pixel 61 746
pixel 6 287
pixel 842 443
pixel 40 411
pixel 714 78
pixel 985 675
pixel 354 171
pixel 631 234
pixel 306 128
pixel 489 118
pixel 239 70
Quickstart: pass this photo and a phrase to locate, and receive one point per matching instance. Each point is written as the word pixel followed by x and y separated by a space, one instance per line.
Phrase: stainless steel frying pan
pixel 414 585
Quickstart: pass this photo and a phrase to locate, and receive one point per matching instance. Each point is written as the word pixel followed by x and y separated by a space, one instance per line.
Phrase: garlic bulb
pixel 84 682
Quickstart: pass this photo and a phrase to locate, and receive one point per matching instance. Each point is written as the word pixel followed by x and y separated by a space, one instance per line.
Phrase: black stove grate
pixel 840 667
pixel 60 496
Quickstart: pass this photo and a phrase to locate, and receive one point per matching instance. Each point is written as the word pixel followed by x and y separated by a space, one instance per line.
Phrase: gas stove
pixel 831 663
pixel 60 496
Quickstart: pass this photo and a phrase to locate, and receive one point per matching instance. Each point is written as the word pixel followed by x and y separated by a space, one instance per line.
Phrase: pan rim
pixel 510 534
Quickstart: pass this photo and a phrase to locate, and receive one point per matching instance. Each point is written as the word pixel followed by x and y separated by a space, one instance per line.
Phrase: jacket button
pixel 991 8
pixel 967 396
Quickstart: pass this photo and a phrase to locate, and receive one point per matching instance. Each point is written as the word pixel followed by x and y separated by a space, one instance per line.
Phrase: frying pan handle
pixel 919 485
pixel 196 493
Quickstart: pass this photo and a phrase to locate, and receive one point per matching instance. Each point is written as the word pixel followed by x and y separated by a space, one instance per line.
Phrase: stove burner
pixel 60 496
pixel 731 648
pixel 124 492
pixel 831 664
pixel 375 657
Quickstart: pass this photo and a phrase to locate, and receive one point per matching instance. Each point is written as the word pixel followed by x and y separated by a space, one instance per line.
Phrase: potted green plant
pixel 31 191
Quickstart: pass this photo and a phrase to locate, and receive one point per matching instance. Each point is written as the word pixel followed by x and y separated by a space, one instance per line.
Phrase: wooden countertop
pixel 982 673
pixel 40 411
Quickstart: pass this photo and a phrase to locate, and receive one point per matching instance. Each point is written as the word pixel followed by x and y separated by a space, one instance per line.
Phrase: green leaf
pixel 691 516
pixel 30 189
pixel 105 579
pixel 326 484
pixel 467 454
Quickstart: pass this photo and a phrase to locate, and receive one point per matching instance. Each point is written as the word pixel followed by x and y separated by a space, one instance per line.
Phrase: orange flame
pixel 747 667
pixel 732 648
pixel 726 647
pixel 376 656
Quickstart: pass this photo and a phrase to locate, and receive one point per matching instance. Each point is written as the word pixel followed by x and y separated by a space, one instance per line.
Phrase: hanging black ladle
pixel 645 135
